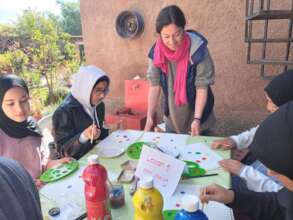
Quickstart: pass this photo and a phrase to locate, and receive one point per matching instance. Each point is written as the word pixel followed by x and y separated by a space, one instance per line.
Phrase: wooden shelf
pixel 271 14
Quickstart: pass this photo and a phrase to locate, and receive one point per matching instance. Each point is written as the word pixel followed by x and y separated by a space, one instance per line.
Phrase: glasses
pixel 102 92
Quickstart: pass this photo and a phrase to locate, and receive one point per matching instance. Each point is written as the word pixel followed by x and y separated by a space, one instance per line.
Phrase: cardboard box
pixel 133 114
pixel 136 94
pixel 136 121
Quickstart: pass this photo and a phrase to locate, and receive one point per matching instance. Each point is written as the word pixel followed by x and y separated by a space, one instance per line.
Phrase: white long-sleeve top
pixel 257 181
pixel 244 139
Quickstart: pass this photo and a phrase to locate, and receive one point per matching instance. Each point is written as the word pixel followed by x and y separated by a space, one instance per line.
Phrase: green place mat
pixel 59 172
pixel 169 214
pixel 193 170
pixel 134 150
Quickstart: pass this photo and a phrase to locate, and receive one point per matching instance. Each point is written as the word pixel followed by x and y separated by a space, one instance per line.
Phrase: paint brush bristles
pixel 204 191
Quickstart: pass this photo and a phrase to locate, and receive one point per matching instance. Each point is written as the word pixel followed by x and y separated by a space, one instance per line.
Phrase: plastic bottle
pixel 190 211
pixel 147 201
pixel 96 190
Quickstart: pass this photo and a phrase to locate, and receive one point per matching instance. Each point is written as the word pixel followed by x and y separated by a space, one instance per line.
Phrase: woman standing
pixel 181 66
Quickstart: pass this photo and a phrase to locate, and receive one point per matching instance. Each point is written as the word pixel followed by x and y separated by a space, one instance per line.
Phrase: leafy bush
pixel 42 54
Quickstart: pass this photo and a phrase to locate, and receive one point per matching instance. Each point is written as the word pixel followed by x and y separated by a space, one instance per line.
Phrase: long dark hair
pixel 103 79
pixel 168 15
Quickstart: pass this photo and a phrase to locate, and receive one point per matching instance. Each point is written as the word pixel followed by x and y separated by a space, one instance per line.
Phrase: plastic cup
pixel 117 197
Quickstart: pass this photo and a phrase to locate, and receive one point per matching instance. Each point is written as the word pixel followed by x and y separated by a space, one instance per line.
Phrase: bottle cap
pixel 146 182
pixel 93 159
pixel 190 203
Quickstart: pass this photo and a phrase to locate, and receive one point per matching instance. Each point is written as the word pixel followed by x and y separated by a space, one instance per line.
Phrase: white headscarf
pixel 83 83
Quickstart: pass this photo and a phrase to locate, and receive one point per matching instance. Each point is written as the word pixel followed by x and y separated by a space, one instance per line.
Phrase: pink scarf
pixel 181 58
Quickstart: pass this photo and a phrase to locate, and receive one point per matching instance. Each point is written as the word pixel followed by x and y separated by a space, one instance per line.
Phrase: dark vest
pixel 196 58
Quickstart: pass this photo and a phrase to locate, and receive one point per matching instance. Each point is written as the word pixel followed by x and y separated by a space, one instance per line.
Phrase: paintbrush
pixel 95 122
pixel 204 191
pixel 206 175
pixel 92 132
pixel 133 186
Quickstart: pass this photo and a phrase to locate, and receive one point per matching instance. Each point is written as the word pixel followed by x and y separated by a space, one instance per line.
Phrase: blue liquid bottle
pixel 190 211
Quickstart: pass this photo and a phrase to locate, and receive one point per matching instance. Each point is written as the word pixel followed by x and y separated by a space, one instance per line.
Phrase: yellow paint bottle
pixel 147 201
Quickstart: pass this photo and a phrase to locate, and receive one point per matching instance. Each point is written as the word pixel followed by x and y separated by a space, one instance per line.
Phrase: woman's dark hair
pixel 103 79
pixel 168 15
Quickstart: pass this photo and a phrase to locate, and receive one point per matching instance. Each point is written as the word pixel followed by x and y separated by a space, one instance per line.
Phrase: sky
pixel 11 9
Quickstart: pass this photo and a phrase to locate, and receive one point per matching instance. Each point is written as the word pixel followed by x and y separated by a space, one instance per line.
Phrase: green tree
pixel 70 21
pixel 43 51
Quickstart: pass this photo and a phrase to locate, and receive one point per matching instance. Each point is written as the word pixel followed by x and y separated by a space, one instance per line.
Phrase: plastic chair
pixel 46 122
pixel 46 126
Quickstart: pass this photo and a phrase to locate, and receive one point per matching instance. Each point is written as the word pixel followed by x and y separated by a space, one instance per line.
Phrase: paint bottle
pixel 147 201
pixel 96 190
pixel 190 211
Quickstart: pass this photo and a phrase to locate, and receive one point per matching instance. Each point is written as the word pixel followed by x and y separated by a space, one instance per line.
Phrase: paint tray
pixel 58 172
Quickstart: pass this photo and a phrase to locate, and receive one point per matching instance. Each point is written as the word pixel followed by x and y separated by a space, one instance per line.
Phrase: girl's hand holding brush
pixel 216 193
pixel 92 132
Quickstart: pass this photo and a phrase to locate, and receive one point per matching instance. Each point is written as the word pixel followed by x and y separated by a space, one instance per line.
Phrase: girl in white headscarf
pixel 78 121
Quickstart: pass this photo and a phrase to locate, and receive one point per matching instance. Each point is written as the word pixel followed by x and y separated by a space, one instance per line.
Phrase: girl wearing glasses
pixel 78 121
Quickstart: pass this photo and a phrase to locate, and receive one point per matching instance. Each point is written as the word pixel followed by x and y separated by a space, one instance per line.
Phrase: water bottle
pixel 96 190
pixel 147 201
pixel 190 211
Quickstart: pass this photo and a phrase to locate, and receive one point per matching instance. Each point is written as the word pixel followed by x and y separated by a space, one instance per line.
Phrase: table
pixel 70 189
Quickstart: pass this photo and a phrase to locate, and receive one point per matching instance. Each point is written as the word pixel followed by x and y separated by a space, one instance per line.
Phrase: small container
pixel 129 165
pixel 126 176
pixel 117 197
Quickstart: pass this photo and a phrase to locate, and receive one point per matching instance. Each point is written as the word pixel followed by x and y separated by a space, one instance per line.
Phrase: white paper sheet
pixel 119 139
pixel 201 154
pixel 165 170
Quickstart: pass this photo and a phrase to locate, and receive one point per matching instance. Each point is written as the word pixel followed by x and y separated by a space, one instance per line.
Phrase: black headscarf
pixel 19 197
pixel 273 141
pixel 10 127
pixel 280 89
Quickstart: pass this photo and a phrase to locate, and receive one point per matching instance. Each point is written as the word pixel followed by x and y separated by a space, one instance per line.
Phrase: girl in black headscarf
pixel 19 133
pixel 19 197
pixel 273 146
pixel 278 92
pixel 22 126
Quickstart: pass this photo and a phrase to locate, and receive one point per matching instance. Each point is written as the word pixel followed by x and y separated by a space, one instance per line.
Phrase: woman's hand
pixel 224 144
pixel 232 166
pixel 92 132
pixel 52 163
pixel 216 193
pixel 195 127
pixel 149 124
